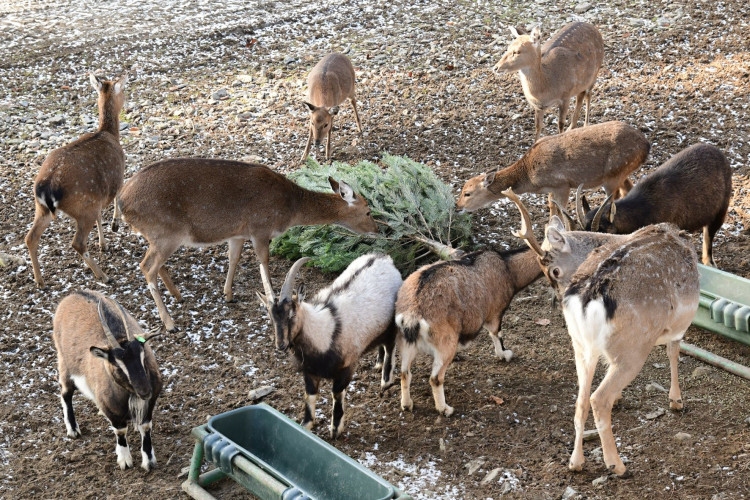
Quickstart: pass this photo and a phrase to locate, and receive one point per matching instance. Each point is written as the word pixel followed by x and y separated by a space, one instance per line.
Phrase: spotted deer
pixel 621 295
pixel 599 155
pixel 565 66
pixel 81 179
pixel 202 202
pixel 329 84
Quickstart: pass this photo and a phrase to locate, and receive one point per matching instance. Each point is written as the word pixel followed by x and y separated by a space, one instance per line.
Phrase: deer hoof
pixel 675 404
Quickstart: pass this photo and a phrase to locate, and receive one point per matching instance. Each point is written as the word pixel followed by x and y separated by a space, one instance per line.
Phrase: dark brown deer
pixel 82 178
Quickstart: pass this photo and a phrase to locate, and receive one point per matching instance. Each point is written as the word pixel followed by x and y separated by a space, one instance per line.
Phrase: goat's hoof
pixel 74 433
pixel 308 425
pixel 675 404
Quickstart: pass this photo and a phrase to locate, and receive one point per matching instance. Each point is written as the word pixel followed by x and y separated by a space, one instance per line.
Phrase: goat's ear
pixel 333 111
pixel 120 83
pixel 489 178
pixel 263 301
pixel 95 82
pixel 99 352
pixel 148 335
pixel 536 35
pixel 311 107
pixel 300 293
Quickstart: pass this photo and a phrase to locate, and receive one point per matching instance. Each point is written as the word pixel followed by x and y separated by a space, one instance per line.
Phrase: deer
pixel 598 155
pixel 621 295
pixel 329 84
pixel 103 353
pixel 81 178
pixel 329 333
pixel 691 190
pixel 564 67
pixel 203 202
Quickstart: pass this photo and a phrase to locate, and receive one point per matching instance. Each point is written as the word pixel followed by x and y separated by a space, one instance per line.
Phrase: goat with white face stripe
pixel 102 352
pixel 621 295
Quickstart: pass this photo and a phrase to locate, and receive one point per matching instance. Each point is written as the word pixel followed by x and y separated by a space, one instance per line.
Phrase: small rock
pixel 245 116
pixel 582 7
pixel 599 481
pixel 683 437
pixel 289 60
pixel 124 125
pixel 569 493
pixel 659 365
pixel 490 476
pixel 183 472
pixel 474 465
pixel 220 94
pixel 244 78
pixel 747 420
pixel 56 120
pixel 8 260
pixel 701 371
pixel 590 435
pixel 442 444
pixel 507 488
pixel 260 392
pixel 553 409
pixel 654 387
pixel 655 414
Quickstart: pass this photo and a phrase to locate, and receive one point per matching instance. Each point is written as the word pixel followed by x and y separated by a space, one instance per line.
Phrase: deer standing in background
pixel 81 179
pixel 564 67
pixel 329 84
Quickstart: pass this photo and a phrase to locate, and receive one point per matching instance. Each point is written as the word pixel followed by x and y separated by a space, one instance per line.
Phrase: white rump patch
pixel 589 327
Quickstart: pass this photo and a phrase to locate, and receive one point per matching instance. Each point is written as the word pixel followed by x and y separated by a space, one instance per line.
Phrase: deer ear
pixel 556 223
pixel 536 35
pixel 95 82
pixel 555 239
pixel 311 107
pixel 347 193
pixel 120 83
pixel 489 178
pixel 333 111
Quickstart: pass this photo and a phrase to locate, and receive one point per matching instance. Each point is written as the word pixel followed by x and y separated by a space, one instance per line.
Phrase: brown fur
pixel 565 66
pixel 599 155
pixel 329 84
pixel 445 303
pixel 194 201
pixel 81 179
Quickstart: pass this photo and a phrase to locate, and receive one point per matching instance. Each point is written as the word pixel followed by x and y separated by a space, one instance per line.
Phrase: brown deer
pixel 599 155
pixel 329 84
pixel 691 190
pixel 621 295
pixel 82 178
pixel 200 202
pixel 564 67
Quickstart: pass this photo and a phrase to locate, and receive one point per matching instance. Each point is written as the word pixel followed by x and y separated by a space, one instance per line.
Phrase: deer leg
pixel 42 219
pixel 261 252
pixel 328 141
pixel 561 115
pixel 83 228
pixel 585 368
pixel 311 396
pixel 408 353
pixel 167 279
pixel 588 105
pixel 356 115
pixel 340 383
pixel 497 340
pixel 577 111
pixel 307 148
pixel 619 375
pixel 538 122
pixel 708 238
pixel 115 216
pixel 561 197
pixel 100 230
pixel 440 364
pixel 235 249
pixel 150 266
pixel 675 396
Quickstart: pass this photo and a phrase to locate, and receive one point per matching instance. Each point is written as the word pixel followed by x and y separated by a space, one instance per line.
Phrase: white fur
pixel 589 328
pixel 83 386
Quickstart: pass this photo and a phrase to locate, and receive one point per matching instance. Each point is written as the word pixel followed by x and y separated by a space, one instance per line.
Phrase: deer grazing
pixel 329 84
pixel 691 190
pixel 201 202
pixel 599 155
pixel 330 333
pixel 81 179
pixel 564 67
pixel 621 295
pixel 102 352
pixel 446 303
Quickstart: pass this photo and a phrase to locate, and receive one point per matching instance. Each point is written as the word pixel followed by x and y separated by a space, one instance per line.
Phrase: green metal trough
pixel 275 458
pixel 724 305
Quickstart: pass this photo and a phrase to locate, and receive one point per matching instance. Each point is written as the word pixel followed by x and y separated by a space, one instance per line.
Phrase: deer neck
pixel 109 117
pixel 523 268
pixel 515 176
pixel 314 207
pixel 534 83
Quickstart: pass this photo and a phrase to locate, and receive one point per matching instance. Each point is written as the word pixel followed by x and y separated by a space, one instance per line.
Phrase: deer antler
pixel 525 233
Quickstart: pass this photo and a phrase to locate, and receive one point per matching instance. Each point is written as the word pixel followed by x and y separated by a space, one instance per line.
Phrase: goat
pixel 329 84
pixel 691 190
pixel 621 295
pixel 603 154
pixel 329 334
pixel 102 352
pixel 194 201
pixel 551 74
pixel 81 179
pixel 446 303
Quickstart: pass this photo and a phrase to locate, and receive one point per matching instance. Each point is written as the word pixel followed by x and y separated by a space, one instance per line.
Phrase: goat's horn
pixel 291 278
pixel 598 215
pixel 525 233
pixel 107 332
pixel 121 313
pixel 579 207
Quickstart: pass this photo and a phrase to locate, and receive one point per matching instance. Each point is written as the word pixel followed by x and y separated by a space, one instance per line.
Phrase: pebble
pixel 701 371
pixel 569 493
pixel 442 444
pixel 474 465
pixel 654 387
pixel 553 409
pixel 583 7
pixel 220 94
pixel 491 476
pixel 655 414
pixel 507 488
pixel 590 435
pixel 683 437
pixel 599 481
pixel 56 120
pixel 260 392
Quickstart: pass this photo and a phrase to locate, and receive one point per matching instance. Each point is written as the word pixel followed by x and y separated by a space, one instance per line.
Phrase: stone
pixel 220 94
pixel 569 493
pixel 260 392
pixel 56 120
pixel 701 371
pixel 655 414
pixel 683 437
pixel 490 476
pixel 474 465
pixel 590 435
pixel 583 7
pixel 599 481
pixel 654 387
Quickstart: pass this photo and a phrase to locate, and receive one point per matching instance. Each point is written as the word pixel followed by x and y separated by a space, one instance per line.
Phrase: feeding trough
pixel 275 458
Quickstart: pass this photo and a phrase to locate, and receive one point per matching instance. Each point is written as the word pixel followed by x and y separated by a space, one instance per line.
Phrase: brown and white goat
pixel 81 179
pixel 621 295
pixel 102 352
pixel 329 334
pixel 200 202
pixel 329 84
pixel 565 66
pixel 599 155
pixel 691 190
pixel 446 303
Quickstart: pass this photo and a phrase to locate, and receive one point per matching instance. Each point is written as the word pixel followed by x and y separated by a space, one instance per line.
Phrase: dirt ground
pixel 227 81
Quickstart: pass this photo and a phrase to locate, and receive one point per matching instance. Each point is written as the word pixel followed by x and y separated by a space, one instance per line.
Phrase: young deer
pixel 599 155
pixel 691 190
pixel 564 67
pixel 621 295
pixel 200 202
pixel 329 84
pixel 81 179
